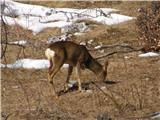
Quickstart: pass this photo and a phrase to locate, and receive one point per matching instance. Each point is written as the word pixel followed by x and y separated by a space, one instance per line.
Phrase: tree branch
pixel 115 52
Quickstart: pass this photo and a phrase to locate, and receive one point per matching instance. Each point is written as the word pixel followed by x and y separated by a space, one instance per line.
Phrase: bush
pixel 148 23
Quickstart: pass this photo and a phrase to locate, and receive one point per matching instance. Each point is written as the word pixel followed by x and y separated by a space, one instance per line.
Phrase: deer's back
pixel 72 52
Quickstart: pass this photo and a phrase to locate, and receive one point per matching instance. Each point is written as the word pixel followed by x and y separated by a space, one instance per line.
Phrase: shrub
pixel 148 23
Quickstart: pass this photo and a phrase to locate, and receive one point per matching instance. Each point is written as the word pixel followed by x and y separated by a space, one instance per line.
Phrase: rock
pixel 56 38
pixel 76 27
pixel 103 116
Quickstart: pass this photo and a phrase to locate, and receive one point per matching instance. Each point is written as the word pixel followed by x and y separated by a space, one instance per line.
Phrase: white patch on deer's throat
pixel 49 53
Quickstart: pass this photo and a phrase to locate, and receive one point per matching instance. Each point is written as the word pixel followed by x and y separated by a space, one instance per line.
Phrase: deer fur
pixel 75 55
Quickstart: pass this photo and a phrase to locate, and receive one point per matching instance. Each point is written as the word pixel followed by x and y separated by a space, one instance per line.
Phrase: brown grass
pixel 27 95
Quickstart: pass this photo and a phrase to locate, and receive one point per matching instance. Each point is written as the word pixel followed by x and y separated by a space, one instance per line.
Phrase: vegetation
pixel 148 23
pixel 132 91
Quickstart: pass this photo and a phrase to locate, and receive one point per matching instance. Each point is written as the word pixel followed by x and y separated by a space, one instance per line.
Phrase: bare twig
pixel 109 96
pixel 6 117
pixel 25 93
pixel 6 39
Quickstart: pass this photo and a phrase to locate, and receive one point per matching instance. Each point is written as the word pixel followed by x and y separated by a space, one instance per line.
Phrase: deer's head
pixel 103 73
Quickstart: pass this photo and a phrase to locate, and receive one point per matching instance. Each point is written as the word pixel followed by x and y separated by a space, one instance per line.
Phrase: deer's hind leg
pixel 57 64
pixel 50 70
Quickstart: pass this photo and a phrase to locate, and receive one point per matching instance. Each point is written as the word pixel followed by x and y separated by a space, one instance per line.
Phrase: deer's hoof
pixel 66 88
pixel 56 96
pixel 80 90
pixel 51 82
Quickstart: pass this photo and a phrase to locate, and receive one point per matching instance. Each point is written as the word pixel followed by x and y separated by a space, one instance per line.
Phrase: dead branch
pixel 6 117
pixel 107 95
pixel 25 94
pixel 115 52
pixel 112 46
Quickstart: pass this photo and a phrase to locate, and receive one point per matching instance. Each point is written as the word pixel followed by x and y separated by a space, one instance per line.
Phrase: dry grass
pixel 27 95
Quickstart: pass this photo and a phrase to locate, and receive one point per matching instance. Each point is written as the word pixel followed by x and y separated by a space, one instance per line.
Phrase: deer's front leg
pixel 78 76
pixel 70 69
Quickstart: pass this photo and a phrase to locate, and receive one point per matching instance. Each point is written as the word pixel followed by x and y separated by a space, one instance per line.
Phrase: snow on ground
pixel 36 18
pixel 30 64
pixel 33 23
pixel 149 54
pixel 113 19
pixel 19 42
pixel 18 9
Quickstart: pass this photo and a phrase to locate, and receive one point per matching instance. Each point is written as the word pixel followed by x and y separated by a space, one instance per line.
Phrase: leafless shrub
pixel 4 38
pixel 148 23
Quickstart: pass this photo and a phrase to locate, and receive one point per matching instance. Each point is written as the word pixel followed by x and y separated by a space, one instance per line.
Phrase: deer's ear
pixel 106 65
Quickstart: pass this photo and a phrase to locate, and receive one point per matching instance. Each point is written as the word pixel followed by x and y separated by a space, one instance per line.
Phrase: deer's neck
pixel 96 67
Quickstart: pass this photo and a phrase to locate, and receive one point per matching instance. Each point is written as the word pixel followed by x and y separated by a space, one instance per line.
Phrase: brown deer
pixel 75 55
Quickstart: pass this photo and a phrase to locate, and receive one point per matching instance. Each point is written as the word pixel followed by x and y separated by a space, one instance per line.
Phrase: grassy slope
pixel 136 92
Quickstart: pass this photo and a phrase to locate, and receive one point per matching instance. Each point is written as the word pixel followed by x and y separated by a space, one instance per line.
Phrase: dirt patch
pixel 132 90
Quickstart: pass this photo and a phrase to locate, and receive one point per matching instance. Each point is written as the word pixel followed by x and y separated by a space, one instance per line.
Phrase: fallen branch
pixel 112 46
pixel 115 52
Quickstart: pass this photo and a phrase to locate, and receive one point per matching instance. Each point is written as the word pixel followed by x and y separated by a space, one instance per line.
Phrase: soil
pixel 131 91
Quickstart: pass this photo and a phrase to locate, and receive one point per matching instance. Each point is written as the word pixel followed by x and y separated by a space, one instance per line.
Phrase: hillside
pixel 132 89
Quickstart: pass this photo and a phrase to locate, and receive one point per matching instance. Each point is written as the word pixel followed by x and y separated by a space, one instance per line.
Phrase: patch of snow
pixel 20 42
pixel 15 87
pixel 113 19
pixel 78 33
pixel 37 18
pixel 149 54
pixel 33 24
pixel 90 41
pixel 89 91
pixel 30 64
pixel 16 9
pixel 83 43
pixel 97 47
pixel 126 57
pixel 56 38
pixel 65 66
pixel 2 65
pixel 103 87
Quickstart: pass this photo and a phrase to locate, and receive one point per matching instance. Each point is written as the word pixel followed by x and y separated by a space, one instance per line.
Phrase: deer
pixel 75 55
